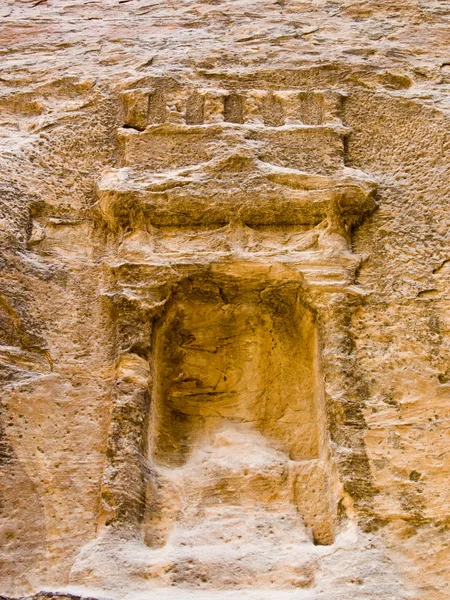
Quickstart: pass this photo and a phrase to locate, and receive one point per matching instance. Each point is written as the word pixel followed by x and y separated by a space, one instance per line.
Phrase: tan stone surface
pixel 224 324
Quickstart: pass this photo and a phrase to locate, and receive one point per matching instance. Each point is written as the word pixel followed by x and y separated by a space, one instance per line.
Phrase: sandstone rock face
pixel 224 324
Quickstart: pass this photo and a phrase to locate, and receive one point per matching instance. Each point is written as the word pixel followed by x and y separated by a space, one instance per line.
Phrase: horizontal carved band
pixel 236 188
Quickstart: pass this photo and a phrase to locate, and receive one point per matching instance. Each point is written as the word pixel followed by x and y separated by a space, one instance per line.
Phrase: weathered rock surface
pixel 224 323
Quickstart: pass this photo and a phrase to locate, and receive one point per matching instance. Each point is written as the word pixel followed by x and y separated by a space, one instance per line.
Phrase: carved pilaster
pixel 123 486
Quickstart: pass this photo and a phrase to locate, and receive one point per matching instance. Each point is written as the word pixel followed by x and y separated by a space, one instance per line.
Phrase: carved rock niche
pixel 237 403
pixel 232 222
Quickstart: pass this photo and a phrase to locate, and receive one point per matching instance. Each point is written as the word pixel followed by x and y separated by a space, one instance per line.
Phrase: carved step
pixel 316 148
pixel 237 187
pixel 239 565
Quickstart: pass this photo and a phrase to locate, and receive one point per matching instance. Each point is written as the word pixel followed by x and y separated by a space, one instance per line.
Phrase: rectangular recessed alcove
pixel 237 430
pixel 236 354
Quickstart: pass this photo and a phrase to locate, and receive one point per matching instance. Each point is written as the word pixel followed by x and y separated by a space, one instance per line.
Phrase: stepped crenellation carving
pixel 272 108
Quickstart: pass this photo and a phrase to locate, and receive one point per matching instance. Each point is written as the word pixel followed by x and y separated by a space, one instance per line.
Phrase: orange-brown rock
pixel 224 323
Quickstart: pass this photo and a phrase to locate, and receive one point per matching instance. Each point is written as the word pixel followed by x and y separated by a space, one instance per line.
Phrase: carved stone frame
pixel 136 307
pixel 240 191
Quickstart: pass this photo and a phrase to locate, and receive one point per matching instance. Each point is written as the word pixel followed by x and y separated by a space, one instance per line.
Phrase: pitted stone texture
pixel 305 86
